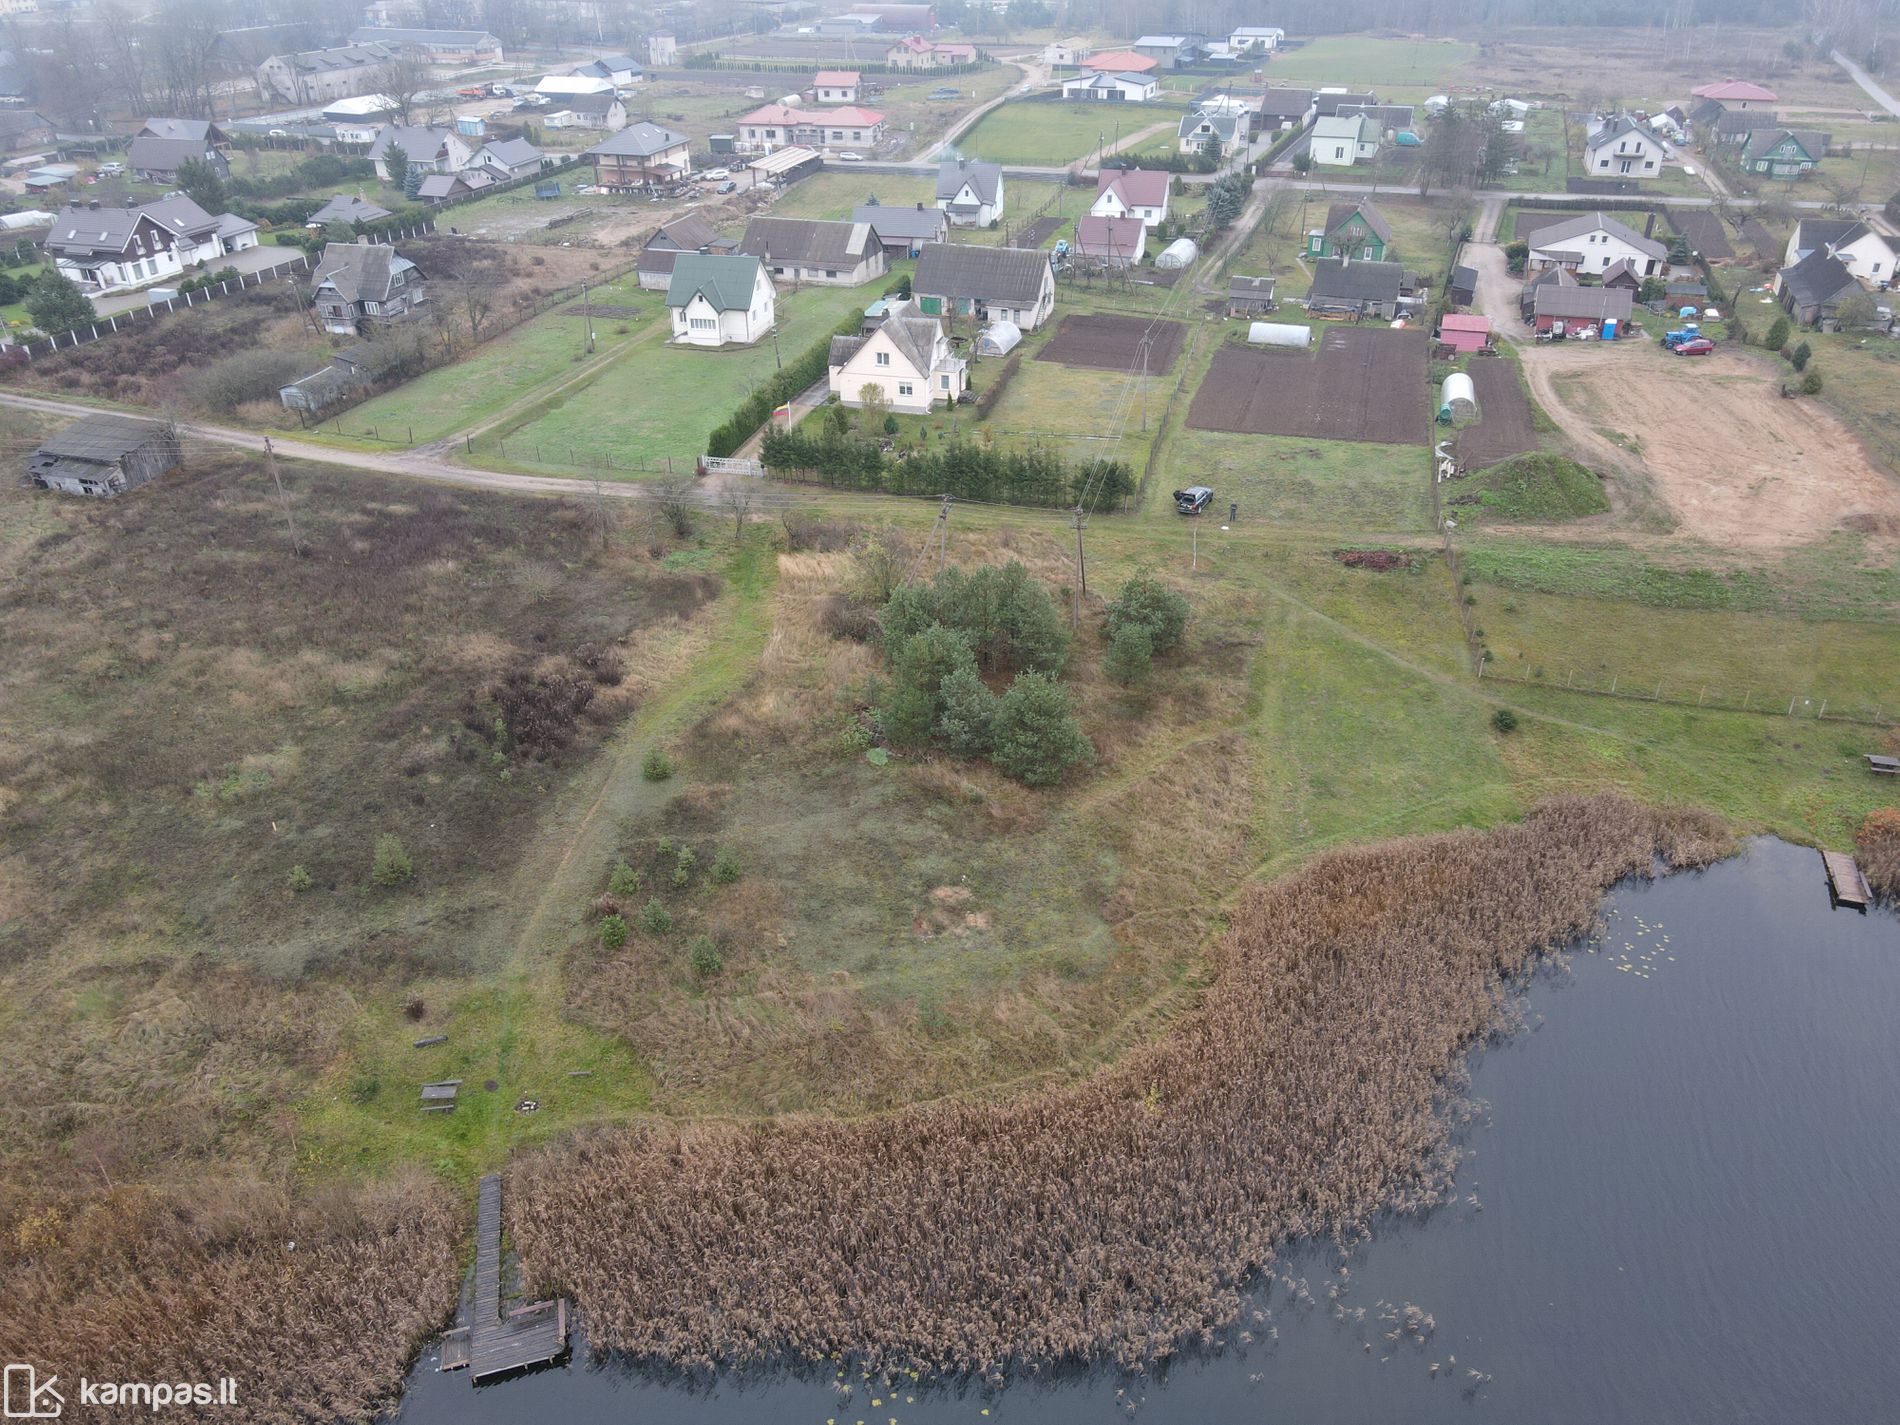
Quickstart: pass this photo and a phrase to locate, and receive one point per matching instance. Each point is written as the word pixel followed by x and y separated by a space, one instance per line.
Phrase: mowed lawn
pixel 1358 60
pixel 833 193
pixel 1052 134
pixel 540 352
pixel 663 401
pixel 1337 485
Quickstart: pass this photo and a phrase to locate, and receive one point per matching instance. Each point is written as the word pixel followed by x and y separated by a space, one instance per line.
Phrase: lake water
pixel 1686 1175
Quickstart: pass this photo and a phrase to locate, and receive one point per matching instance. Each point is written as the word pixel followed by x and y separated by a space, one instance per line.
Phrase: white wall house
pixel 719 301
pixel 1869 255
pixel 1623 148
pixel 1591 244
pixel 908 359
pixel 970 193
pixel 1119 88
pixel 1258 39
pixel 1131 193
pixel 108 249
pixel 431 150
pixel 1341 140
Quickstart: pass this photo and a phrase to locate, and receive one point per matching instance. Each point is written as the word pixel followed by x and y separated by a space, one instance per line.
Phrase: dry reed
pixel 1877 844
pixel 1123 1213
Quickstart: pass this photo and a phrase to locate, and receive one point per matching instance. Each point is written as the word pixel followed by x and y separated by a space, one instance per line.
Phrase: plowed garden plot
pixel 1366 384
pixel 1109 343
pixel 1039 232
pixel 1504 425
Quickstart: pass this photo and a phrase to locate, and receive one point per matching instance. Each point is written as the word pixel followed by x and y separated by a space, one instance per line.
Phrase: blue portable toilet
pixel 1609 328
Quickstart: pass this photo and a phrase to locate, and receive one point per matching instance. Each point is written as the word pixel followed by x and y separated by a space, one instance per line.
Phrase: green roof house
pixel 719 301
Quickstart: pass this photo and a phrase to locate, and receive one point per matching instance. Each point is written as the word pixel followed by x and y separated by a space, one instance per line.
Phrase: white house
pixel 1255 39
pixel 108 249
pixel 1623 148
pixel 774 126
pixel 1341 140
pixel 1116 88
pixel 837 86
pixel 1868 255
pixel 1197 128
pixel 907 358
pixel 1009 284
pixel 719 301
pixel 970 193
pixel 1592 244
pixel 563 87
pixel 431 150
pixel 1131 193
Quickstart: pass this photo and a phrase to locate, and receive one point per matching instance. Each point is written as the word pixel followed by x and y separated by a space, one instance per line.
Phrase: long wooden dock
pixel 1844 880
pixel 500 1342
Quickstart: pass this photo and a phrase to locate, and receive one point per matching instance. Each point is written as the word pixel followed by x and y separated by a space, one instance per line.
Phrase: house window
pixel 883 358
pixel 703 324
pixel 946 382
pixel 903 388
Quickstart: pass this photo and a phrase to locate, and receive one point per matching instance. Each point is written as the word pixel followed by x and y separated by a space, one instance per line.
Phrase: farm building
pixel 1113 242
pixel 351 208
pixel 1121 88
pixel 102 456
pixel 1255 39
pixel 620 70
pixel 1591 244
pixel 1580 311
pixel 1549 277
pixel 1283 109
pixel 1738 93
pixel 1131 193
pixel 1813 289
pixel 1249 296
pixel 1464 332
pixel 908 360
pixel 903 231
pixel 690 232
pixel 161 145
pixel 318 76
pixel 1390 118
pixel 364 283
pixel 1014 284
pixel 807 250
pixel 970 193
pixel 439 46
pixel 1355 229
pixel 640 156
pixel 1341 140
pixel 1328 102
pixel 1623 147
pixel 1462 289
pixel 440 187
pixel 1345 288
pixel 720 301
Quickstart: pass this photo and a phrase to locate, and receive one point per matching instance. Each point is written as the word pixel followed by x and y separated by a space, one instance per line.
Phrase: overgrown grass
pixel 1362 60
pixel 1042 134
pixel 1533 487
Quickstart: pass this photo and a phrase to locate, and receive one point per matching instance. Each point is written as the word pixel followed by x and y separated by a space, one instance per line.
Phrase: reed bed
pixel 315 1307
pixel 1877 844
pixel 1121 1215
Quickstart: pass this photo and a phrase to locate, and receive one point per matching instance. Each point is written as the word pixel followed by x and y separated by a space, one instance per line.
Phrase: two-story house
pixel 1131 193
pixel 430 150
pixel 161 145
pixel 719 300
pixel 105 249
pixel 640 156
pixel 1623 147
pixel 363 284
pixel 906 359
pixel 1341 140
pixel 970 193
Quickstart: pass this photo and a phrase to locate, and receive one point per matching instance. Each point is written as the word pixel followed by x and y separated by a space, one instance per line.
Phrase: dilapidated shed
pixel 104 455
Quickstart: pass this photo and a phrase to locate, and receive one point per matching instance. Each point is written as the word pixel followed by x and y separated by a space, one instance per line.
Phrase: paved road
pixel 1866 81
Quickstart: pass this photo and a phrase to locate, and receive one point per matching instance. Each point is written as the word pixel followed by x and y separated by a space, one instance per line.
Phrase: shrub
pixel 725 867
pixel 966 720
pixel 1037 736
pixel 656 766
pixel 298 880
pixel 919 665
pixel 655 919
pixel 1798 358
pixel 1777 335
pixel 613 932
pixel 703 956
pixel 1145 600
pixel 1504 720
pixel 390 865
pixel 624 881
pixel 1130 659
pixel 1010 620
pixel 1811 382
pixel 254 376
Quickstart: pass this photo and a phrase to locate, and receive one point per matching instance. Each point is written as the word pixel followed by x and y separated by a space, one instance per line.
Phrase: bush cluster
pixel 961 468
pixel 807 370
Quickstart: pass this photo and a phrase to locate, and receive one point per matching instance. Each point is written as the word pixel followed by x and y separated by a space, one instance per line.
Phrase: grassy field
pixel 1050 135
pixel 837 190
pixel 1430 66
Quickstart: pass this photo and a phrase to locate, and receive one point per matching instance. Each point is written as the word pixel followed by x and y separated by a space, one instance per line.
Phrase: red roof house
pixel 1734 91
pixel 1463 331
pixel 1119 61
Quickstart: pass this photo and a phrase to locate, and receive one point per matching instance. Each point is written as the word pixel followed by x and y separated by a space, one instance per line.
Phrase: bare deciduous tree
pixel 402 80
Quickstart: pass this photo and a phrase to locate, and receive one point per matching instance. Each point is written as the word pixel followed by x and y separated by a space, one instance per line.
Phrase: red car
pixel 1701 346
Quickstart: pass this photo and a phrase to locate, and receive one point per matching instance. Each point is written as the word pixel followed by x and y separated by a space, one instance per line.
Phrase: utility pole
pixel 943 532
pixel 270 462
pixel 587 317
pixel 1194 544
pixel 1081 574
pixel 1144 381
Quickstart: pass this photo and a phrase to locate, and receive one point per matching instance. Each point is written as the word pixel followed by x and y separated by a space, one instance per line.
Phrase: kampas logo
pixel 27 1397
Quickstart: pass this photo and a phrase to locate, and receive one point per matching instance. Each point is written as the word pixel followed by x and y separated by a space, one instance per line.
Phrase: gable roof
pixel 808 242
pixel 14 122
pixel 838 78
pixel 420 144
pixel 1350 127
pixel 1136 187
pixel 109 230
pixel 1464 322
pixel 325 61
pixel 1386 116
pixel 1225 127
pixel 1330 104
pixel 1706 111
pixel 1548 237
pixel 1285 103
pixel 1110 237
pixel 902 222
pixel 915 338
pixel 1620 127
pixel 1251 287
pixel 726 282
pixel 1341 213
pixel 604 102
pixel 1622 267
pixel 1817 279
pixel 1738 90
pixel 1597 304
pixel 641 140
pixel 349 208
pixel 689 232
pixel 510 153
pixel 985 179
pixel 1743 121
pixel 154 155
pixel 197 130
pixel 1005 274
pixel 1337 280
pixel 1106 79
pixel 104 438
pixel 1464 279
pixel 467 39
pixel 360 271
pixel 1810 141
pixel 1120 61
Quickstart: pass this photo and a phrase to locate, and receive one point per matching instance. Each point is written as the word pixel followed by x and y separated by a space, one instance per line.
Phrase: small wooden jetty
pixel 494 1343
pixel 1844 880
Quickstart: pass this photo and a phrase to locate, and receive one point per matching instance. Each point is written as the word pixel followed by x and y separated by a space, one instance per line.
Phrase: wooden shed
pixel 104 456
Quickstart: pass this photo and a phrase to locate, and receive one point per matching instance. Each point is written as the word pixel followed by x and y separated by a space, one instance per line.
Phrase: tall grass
pixel 1120 1214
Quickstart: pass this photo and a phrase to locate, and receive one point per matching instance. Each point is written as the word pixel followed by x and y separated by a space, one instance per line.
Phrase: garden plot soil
pixel 1504 425
pixel 1039 232
pixel 1365 384
pixel 1110 343
pixel 1705 232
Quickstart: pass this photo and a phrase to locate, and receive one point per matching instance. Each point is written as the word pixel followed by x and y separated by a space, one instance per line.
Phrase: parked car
pixel 112 168
pixel 1192 500
pixel 727 187
pixel 851 158
pixel 717 173
pixel 1700 346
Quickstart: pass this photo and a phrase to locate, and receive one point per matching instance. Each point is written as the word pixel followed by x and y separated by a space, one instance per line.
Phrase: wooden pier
pixel 496 1343
pixel 1844 880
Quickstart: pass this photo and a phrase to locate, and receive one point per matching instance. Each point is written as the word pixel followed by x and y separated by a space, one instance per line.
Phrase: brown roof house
pixel 361 284
pixel 103 456
pixel 689 232
pixel 831 254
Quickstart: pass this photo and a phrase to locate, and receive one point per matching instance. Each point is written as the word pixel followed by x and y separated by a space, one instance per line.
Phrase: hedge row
pixel 960 468
pixel 806 370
